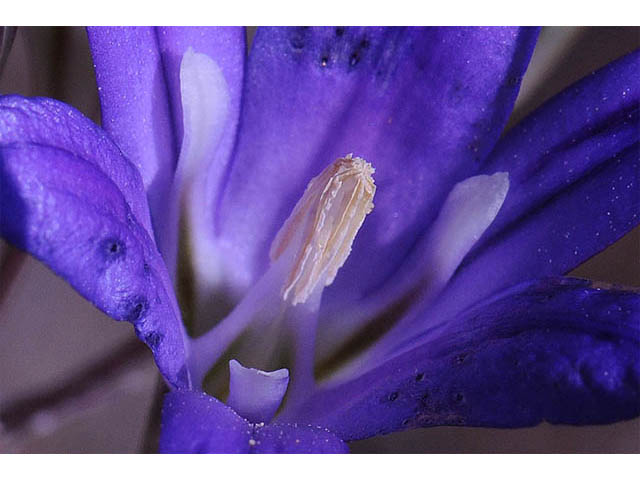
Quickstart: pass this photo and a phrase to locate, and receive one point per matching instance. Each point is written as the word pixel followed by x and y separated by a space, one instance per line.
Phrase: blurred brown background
pixel 49 335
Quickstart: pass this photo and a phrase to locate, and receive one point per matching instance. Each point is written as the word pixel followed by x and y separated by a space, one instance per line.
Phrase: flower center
pixel 306 254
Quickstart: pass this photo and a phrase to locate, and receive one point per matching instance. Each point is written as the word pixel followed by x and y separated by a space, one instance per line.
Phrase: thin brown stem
pixel 74 391
pixel 11 261
pixel 152 431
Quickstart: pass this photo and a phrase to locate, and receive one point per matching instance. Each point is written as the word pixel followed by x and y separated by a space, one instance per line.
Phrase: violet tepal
pixel 357 245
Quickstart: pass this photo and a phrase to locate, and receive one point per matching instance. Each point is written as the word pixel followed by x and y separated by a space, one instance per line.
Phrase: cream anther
pixel 320 231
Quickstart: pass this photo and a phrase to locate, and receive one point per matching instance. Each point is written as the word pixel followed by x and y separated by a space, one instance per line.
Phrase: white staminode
pixel 468 211
pixel 205 99
pixel 322 226
pixel 256 394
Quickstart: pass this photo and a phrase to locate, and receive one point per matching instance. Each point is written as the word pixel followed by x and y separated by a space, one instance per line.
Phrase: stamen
pixel 307 253
pixel 321 229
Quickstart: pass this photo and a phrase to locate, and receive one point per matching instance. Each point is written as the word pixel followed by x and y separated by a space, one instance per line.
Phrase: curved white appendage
pixel 256 394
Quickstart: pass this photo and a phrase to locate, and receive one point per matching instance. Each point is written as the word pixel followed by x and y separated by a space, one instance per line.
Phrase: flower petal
pixel 71 199
pixel 194 422
pixel 138 74
pixel 49 122
pixel 197 423
pixel 466 213
pixel 219 57
pixel 205 107
pixel 590 124
pixel 135 104
pixel 314 95
pixel 224 45
pixel 573 166
pixel 556 351
pixel 285 438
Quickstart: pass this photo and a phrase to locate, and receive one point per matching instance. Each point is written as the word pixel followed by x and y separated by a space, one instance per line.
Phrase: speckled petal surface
pixel 138 76
pixel 135 106
pixel 586 125
pixel 194 422
pixel 197 423
pixel 63 200
pixel 558 350
pixel 574 166
pixel 422 105
pixel 295 438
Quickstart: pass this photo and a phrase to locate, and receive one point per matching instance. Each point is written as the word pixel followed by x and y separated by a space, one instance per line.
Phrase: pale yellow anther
pixel 323 224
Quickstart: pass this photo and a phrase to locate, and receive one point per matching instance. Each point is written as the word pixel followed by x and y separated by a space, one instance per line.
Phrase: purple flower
pixel 446 305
